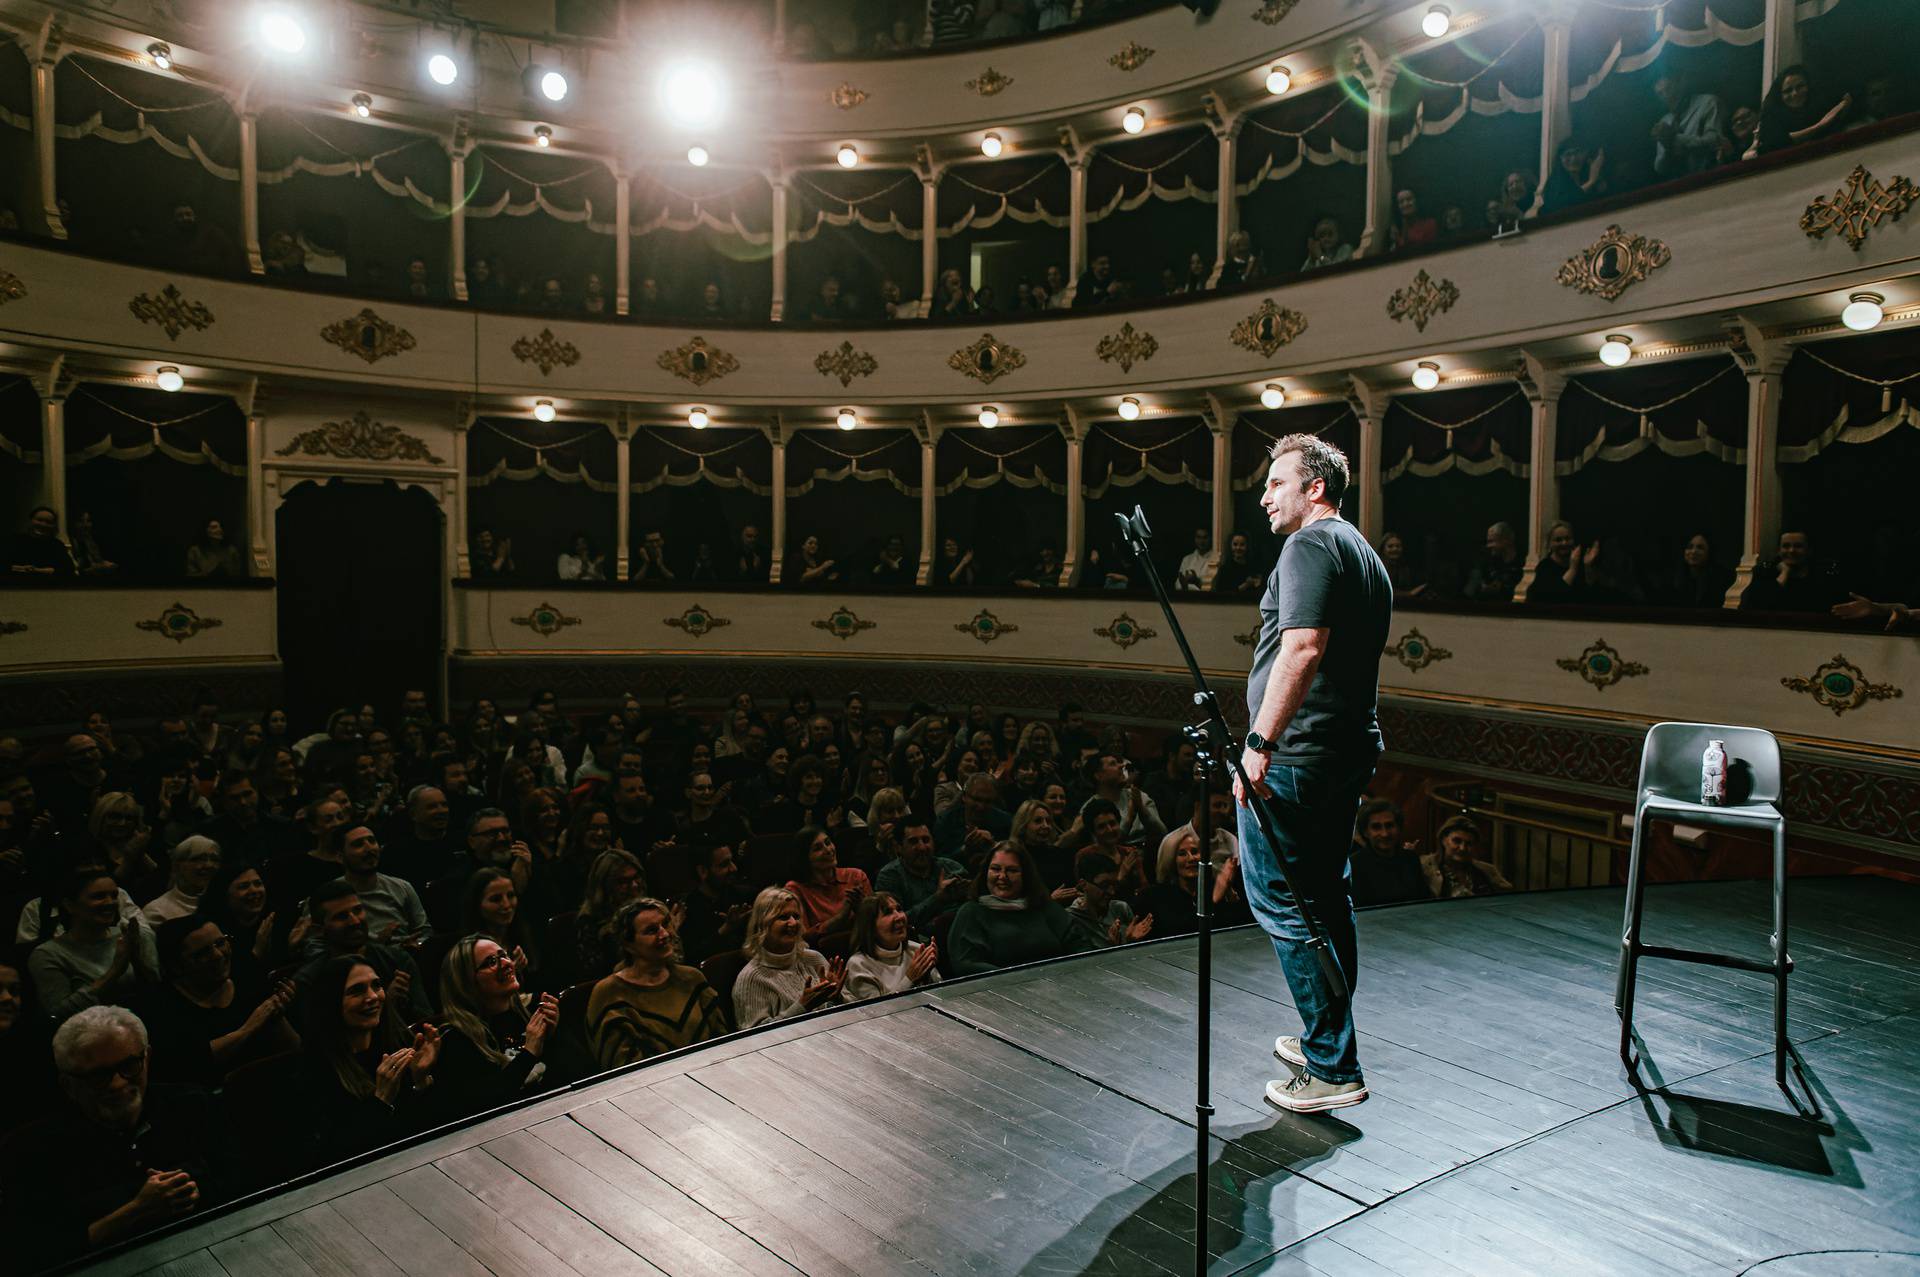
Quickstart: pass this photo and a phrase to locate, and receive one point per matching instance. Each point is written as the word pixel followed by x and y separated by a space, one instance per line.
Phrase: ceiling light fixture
pixel 1426 376
pixel 1437 22
pixel 1129 409
pixel 991 146
pixel 362 105
pixel 845 419
pixel 543 410
pixel 1863 311
pixel 848 157
pixel 697 418
pixel 553 86
pixel 442 69
pixel 692 93
pixel 1279 79
pixel 989 417
pixel 281 31
pixel 697 156
pixel 1134 120
pixel 542 135
pixel 161 53
pixel 1272 396
pixel 1616 350
pixel 168 378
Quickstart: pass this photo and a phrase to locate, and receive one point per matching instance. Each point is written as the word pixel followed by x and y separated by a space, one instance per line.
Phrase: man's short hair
pixel 484 813
pixel 1096 808
pixel 231 778
pixel 1091 863
pixel 1373 807
pixel 978 779
pixel 913 820
pixel 1318 460
pixel 326 894
pixel 86 1027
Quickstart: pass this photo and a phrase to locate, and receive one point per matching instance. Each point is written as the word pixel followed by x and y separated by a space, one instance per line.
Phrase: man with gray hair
pixel 1497 574
pixel 116 1159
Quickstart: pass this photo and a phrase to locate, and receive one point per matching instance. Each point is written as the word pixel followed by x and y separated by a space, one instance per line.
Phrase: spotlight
pixel 1272 396
pixel 692 93
pixel 442 69
pixel 697 156
pixel 168 378
pixel 281 31
pixel 1129 409
pixel 553 86
pixel 848 157
pixel 1279 79
pixel 542 135
pixel 161 53
pixel 845 419
pixel 991 146
pixel 1863 311
pixel 1426 376
pixel 697 418
pixel 989 417
pixel 1134 120
pixel 1437 22
pixel 1616 350
pixel 543 410
pixel 362 105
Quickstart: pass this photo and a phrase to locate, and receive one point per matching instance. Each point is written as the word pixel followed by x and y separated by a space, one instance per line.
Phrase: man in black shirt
pixel 1793 582
pixel 717 908
pixel 39 551
pixel 1385 870
pixel 1313 740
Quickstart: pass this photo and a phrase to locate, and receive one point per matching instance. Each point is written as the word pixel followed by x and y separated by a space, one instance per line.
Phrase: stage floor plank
pixel 1040 1122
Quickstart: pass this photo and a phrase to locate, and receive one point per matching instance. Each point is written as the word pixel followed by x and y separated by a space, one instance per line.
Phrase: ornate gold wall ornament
pixel 697 621
pixel 546 352
pixel 1124 631
pixel 1416 651
pixel 1127 347
pixel 986 360
pixel 843 624
pixel 1421 300
pixel 1613 263
pixel 13 627
pixel 1132 57
pixel 1269 328
pixel 698 362
pixel 985 626
pixel 173 312
pixel 1859 206
pixel 846 363
pixel 368 336
pixel 360 439
pixel 178 623
pixel 846 97
pixel 12 287
pixel 989 83
pixel 1840 686
pixel 546 620
pixel 1274 12
pixel 1601 665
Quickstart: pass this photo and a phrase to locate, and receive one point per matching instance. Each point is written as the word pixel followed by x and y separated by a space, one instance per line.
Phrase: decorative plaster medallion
pixel 986 360
pixel 1840 686
pixel 1416 651
pixel 1274 12
pixel 1601 665
pixel 698 362
pixel 13 627
pixel 173 312
pixel 1613 263
pixel 368 336
pixel 843 624
pixel 546 352
pixel 178 623
pixel 985 626
pixel 1124 631
pixel 845 363
pixel 546 620
pixel 1421 300
pixel 846 97
pixel 1269 328
pixel 12 287
pixel 1859 206
pixel 1132 57
pixel 360 439
pixel 1126 347
pixel 697 620
pixel 989 83
pixel 1248 639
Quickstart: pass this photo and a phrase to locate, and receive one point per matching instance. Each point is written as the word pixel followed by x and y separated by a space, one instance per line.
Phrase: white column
pixel 777 551
pixel 779 26
pixel 1556 110
pixel 1220 420
pixel 1374 236
pixel 1075 551
pixel 457 221
pixel 1782 43
pixel 250 191
pixel 462 566
pixel 43 144
pixel 1077 166
pixel 1543 390
pixel 929 239
pixel 259 552
pixel 1227 215
pixel 929 441
pixel 622 247
pixel 779 183
pixel 623 511
pixel 1760 527
pixel 1370 408
pixel 53 456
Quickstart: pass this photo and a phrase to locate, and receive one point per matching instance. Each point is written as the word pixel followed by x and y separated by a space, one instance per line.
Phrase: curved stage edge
pixel 1038 1121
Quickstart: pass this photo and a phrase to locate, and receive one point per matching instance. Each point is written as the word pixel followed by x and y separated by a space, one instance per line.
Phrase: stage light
pixel 1616 350
pixel 847 156
pixel 161 53
pixel 692 93
pixel 1863 311
pixel 1279 79
pixel 1129 409
pixel 697 418
pixel 991 146
pixel 989 417
pixel 697 156
pixel 442 69
pixel 169 379
pixel 1438 21
pixel 845 419
pixel 553 86
pixel 1426 376
pixel 1134 120
pixel 1272 396
pixel 543 410
pixel 281 31
pixel 542 135
pixel 362 105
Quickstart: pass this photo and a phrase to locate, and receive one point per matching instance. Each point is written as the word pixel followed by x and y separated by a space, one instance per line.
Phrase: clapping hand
pixel 424 1052
pixel 921 963
pixel 545 1016
pixel 391 1074
pixel 827 987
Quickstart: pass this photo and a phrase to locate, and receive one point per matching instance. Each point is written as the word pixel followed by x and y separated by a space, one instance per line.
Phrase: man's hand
pixel 1255 763
pixel 1066 895
pixel 400 986
pixel 166 1195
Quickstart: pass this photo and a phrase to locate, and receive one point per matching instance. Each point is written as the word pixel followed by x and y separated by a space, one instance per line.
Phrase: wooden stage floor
pixel 1039 1122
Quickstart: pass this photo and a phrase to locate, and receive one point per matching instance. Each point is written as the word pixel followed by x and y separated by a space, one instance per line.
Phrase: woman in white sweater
pixel 884 961
pixel 783 977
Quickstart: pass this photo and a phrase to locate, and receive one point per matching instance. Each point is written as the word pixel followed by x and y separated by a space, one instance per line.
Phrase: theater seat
pixel 721 970
pixel 277 1143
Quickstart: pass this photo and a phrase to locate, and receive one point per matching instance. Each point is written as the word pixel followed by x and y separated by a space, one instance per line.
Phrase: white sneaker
pixel 1305 1093
pixel 1287 1051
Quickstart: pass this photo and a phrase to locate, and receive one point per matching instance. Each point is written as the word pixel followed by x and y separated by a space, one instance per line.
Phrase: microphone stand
pixel 1214 745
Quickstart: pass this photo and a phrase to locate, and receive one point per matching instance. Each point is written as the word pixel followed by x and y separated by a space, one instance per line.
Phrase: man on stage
pixel 1313 741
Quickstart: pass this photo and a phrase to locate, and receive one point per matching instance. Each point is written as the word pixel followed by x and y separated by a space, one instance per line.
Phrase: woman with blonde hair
pixel 491 1052
pixel 783 977
pixel 614 878
pixel 122 841
pixel 654 1003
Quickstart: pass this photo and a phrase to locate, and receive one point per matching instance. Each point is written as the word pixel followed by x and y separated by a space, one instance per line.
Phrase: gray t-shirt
pixel 1328 578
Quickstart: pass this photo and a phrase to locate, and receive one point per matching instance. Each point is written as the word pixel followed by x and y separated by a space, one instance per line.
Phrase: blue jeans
pixel 1312 812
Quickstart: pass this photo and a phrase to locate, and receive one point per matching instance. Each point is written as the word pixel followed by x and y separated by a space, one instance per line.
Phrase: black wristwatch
pixel 1258 743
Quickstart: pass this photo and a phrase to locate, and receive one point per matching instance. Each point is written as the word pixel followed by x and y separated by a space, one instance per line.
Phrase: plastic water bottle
pixel 1713 774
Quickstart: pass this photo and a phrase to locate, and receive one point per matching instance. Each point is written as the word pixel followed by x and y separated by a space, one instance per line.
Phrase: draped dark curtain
pixel 20 472
pixel 1002 495
pixel 848 225
pixel 853 489
pixel 1444 486
pixel 700 487
pixel 1151 202
pixel 1857 40
pixel 18 188
pixel 1255 433
pixel 1165 466
pixel 693 227
pixel 520 211
pixel 541 484
pixel 1299 160
pixel 1011 214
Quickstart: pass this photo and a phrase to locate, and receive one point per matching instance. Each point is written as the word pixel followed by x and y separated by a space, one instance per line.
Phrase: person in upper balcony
pixel 1057 289
pixel 87 556
pixel 1560 578
pixel 1882 100
pixel 1794 581
pixel 39 551
pixel 649 566
pixel 593 295
pixel 893 569
pixel 1494 577
pixel 1795 110
pixel 419 283
pixel 1325 247
pixel 1688 138
pixel 1096 286
pixel 1240 572
pixel 749 560
pixel 811 569
pixel 953 298
pixel 1406 582
pixel 492 557
pixel 826 308
pixel 1044 574
pixel 954 569
pixel 1743 131
pixel 1199 271
pixel 214 555
pixel 1241 267
pixel 1411 229
pixel 1696 581
pixel 578 562
pixel 892 305
pixel 1579 174
pixel 712 305
pixel 1193 568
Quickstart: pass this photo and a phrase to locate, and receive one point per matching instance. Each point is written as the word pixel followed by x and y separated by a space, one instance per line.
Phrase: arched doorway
pixel 359 569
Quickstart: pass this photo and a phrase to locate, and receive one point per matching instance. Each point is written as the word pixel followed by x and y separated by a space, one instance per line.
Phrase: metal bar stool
pixel 1670 790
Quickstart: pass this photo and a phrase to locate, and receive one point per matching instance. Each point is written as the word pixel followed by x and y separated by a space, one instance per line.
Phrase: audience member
pixel 194 860
pixel 338 927
pixel 491 559
pixel 39 551
pixel 884 960
pixel 925 885
pixel 1495 577
pixel 1409 228
pixel 810 569
pixel 1011 919
pixel 1456 870
pixel 364 1075
pixel 1096 285
pixel 1325 247
pixel 1794 581
pixel 579 563
pixel 828 894
pixel 1794 112
pixel 493 1047
pixel 1687 139
pixel 205 1020
pixel 1385 870
pixel 1104 919
pixel 1239 571
pixel 98 957
pixel 1192 572
pixel 1407 584
pixel 1241 265
pixel 1578 175
pixel 652 1003
pixel 783 977
pixel 87 557
pixel 213 555
pixel 1169 905
pixel 1696 581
